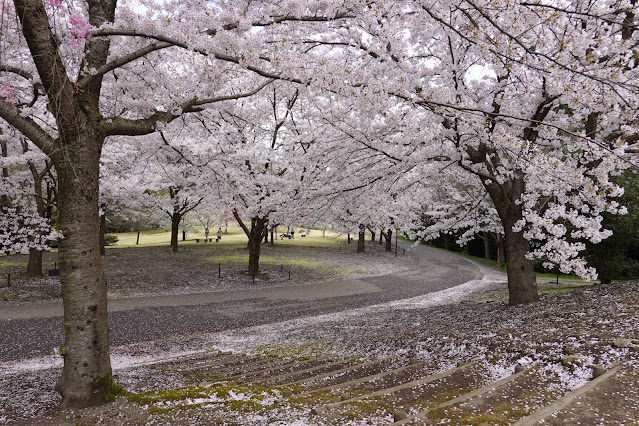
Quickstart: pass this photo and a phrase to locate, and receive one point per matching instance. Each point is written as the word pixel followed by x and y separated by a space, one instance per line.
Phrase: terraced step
pixel 295 375
pixel 422 392
pixel 557 411
pixel 338 390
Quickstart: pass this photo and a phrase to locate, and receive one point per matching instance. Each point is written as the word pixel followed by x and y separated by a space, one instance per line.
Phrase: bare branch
pixel 84 82
pixel 27 127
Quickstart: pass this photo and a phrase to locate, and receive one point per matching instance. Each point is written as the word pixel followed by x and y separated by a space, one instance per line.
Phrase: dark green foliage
pixel 617 257
pixel 110 239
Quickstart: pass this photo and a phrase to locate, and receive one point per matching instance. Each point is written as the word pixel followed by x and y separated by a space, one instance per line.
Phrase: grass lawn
pixel 233 239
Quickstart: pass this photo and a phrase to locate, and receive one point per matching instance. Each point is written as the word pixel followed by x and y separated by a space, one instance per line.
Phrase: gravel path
pixel 35 329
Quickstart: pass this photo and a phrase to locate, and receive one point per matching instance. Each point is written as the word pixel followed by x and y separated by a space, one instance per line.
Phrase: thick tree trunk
pixel 381 237
pixel 272 235
pixel 522 282
pixel 372 236
pixel 34 267
pixel 175 229
pixel 86 376
pixel 389 240
pixel 361 240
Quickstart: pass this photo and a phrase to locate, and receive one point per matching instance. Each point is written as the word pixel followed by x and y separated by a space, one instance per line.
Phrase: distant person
pixel 219 235
pixel 292 233
pixel 206 233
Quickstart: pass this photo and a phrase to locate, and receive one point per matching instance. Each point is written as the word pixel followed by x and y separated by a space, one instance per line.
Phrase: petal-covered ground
pixel 598 325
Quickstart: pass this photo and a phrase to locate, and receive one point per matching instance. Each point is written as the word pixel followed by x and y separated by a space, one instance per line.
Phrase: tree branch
pixel 144 126
pixel 27 127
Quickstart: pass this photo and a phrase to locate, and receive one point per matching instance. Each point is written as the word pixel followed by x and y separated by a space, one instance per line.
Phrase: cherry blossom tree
pixel 27 188
pixel 58 72
pixel 537 100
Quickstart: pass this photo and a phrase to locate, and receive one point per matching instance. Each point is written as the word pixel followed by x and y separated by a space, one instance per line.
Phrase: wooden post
pixel 8 280
pixel 219 270
pixel 289 274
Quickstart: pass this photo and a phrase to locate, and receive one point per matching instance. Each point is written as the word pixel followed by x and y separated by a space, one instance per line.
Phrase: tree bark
pixel 372 235
pixel 272 235
pixel 389 240
pixel 522 281
pixel 34 267
pixel 501 256
pixel 255 236
pixel 255 245
pixel 86 376
pixel 361 240
pixel 137 239
pixel 486 245
pixel 175 230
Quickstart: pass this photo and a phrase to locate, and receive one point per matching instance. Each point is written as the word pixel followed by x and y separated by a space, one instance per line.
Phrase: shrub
pixel 110 240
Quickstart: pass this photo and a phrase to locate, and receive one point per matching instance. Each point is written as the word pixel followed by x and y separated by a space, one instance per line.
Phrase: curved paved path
pixel 35 329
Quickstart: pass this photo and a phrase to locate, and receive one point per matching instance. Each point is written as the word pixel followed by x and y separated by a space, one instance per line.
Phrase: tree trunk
pixel 183 235
pixel 265 236
pixel 389 240
pixel 34 267
pixel 175 225
pixel 486 245
pixel 255 245
pixel 372 236
pixel 137 239
pixel 522 282
pixel 102 232
pixel 361 240
pixel 501 255
pixel 381 237
pixel 255 236
pixel 272 235
pixel 86 377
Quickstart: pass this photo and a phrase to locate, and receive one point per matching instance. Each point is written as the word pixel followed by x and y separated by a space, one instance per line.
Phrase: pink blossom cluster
pixel 9 94
pixel 54 3
pixel 79 30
